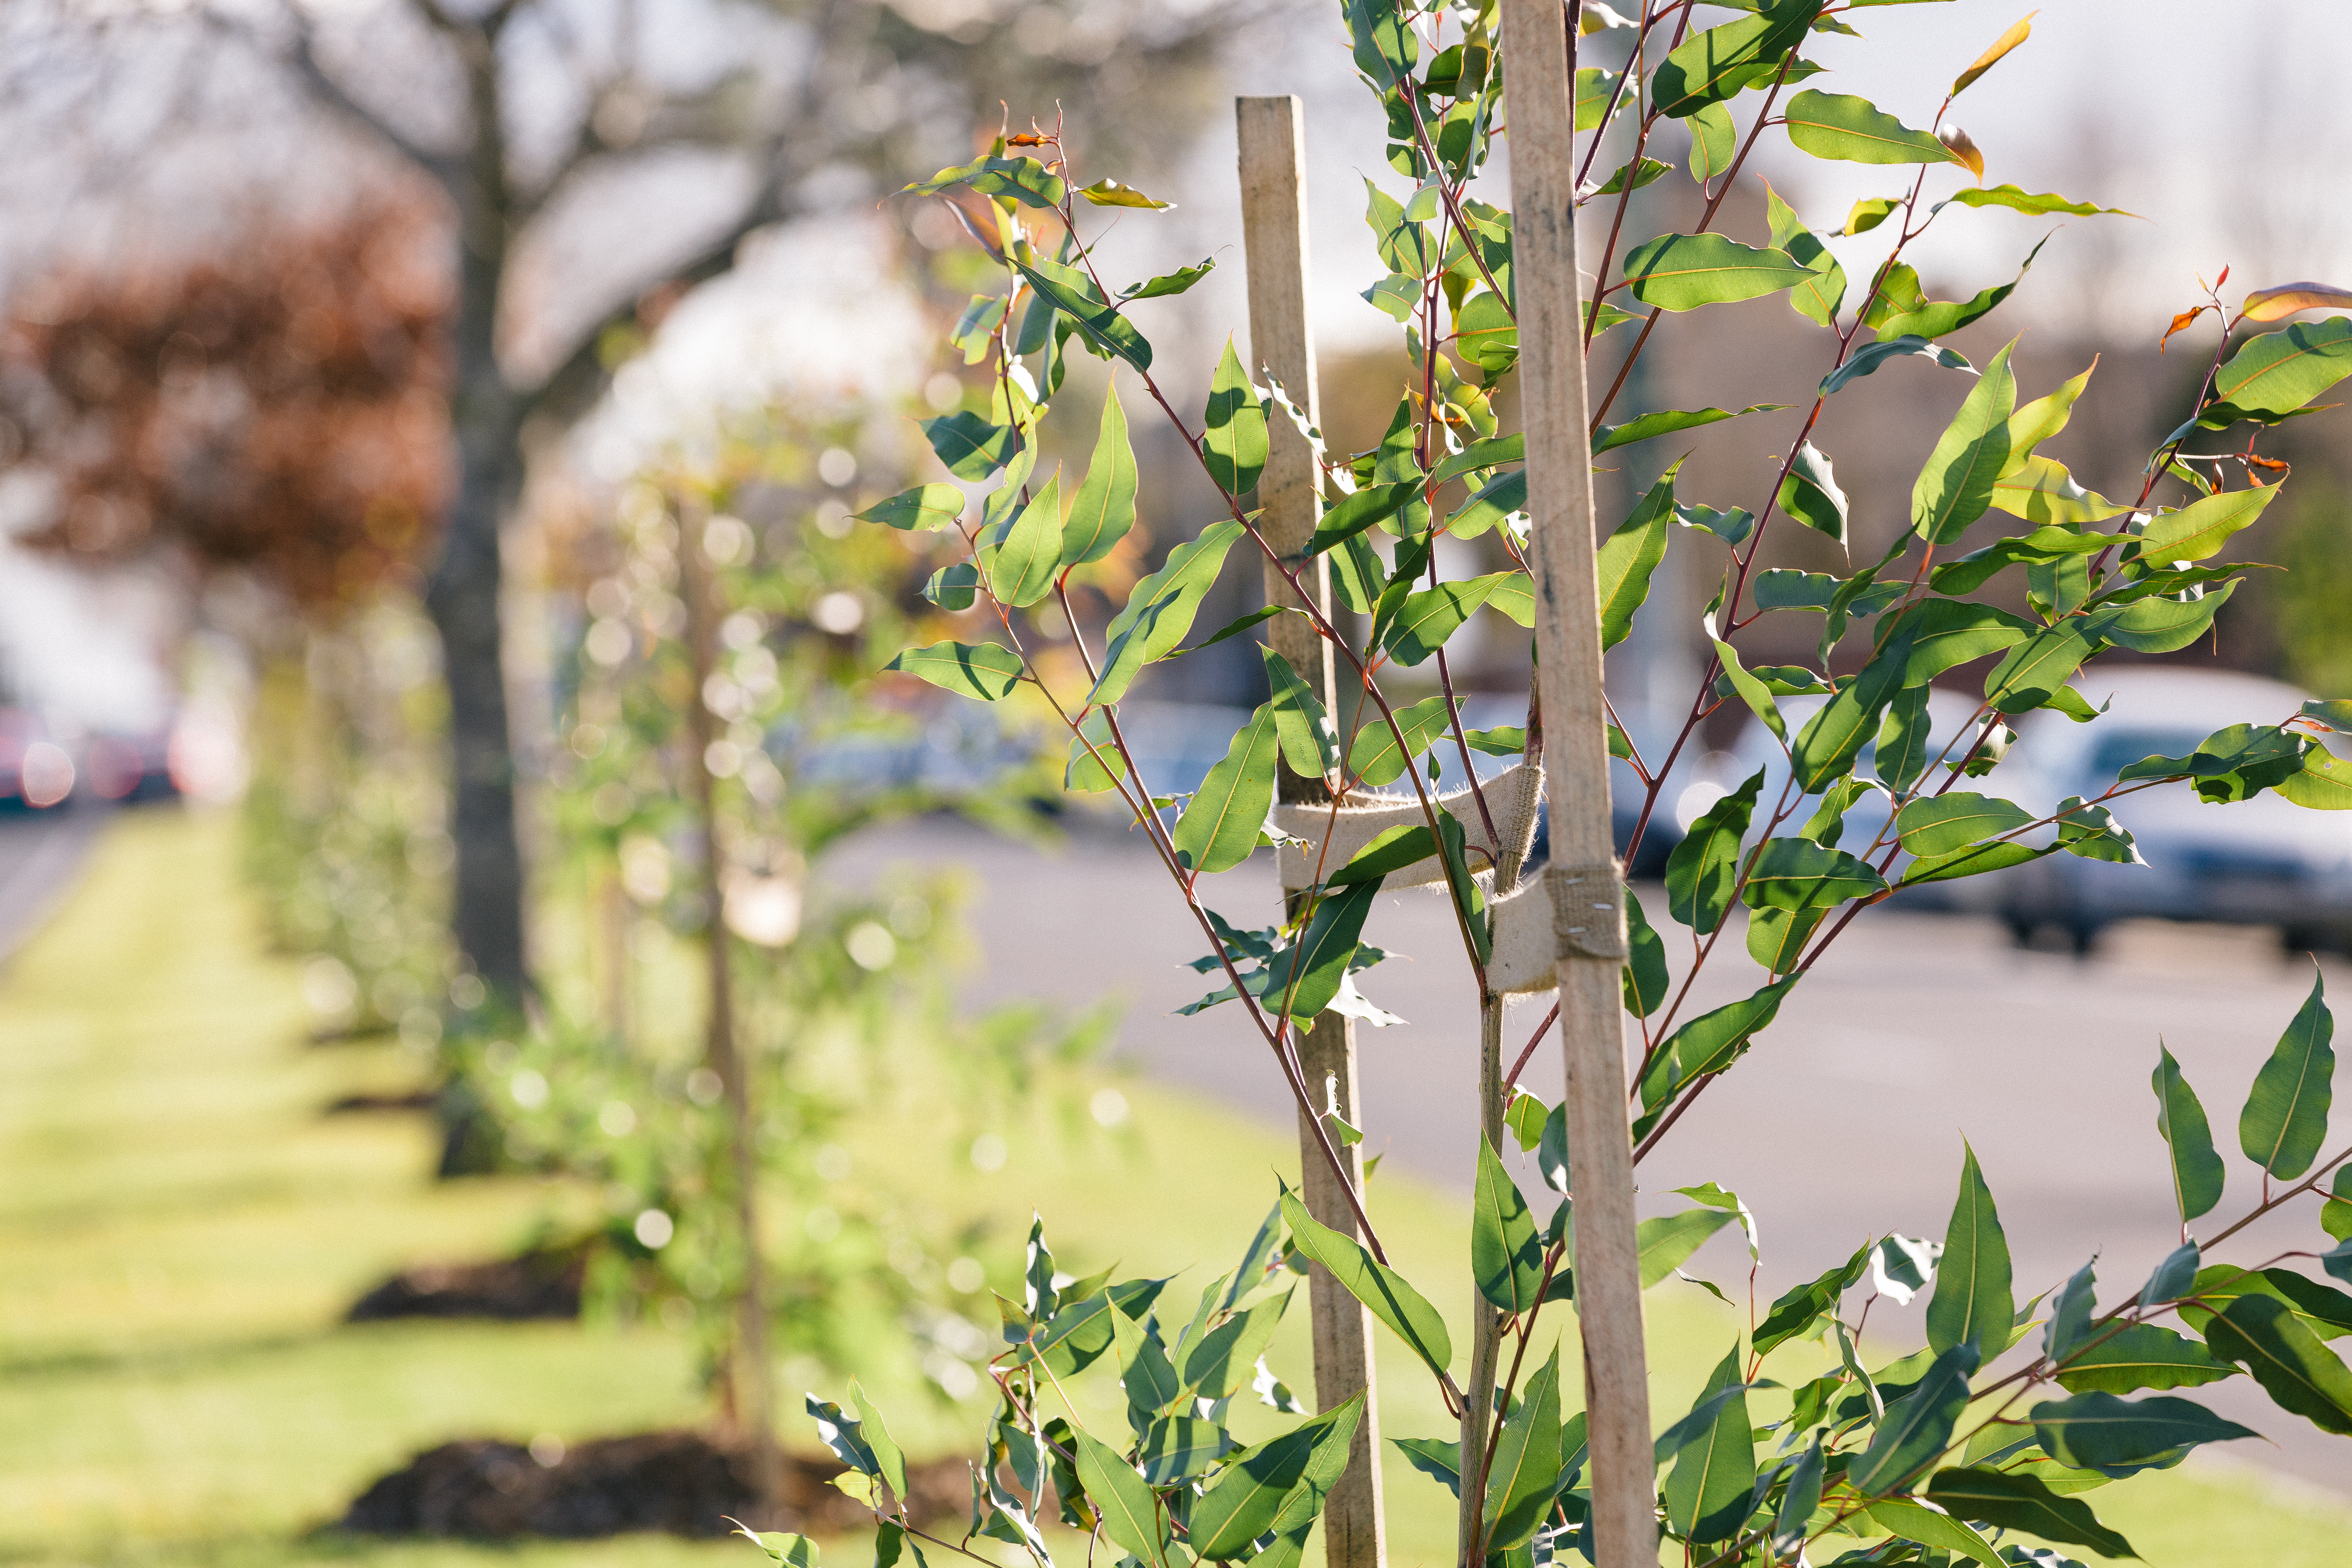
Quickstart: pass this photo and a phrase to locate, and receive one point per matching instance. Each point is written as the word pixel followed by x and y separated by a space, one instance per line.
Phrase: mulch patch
pixel 541 1283
pixel 362 1104
pixel 680 1483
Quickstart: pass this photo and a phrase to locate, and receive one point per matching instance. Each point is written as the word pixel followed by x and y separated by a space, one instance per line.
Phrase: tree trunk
pixel 485 919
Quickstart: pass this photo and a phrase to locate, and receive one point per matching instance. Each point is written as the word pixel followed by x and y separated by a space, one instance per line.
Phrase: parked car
pixel 36 771
pixel 1950 713
pixel 2257 862
pixel 127 767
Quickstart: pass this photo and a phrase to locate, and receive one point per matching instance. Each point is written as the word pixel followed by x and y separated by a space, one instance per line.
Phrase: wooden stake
pixel 1274 231
pixel 1586 892
pixel 751 1376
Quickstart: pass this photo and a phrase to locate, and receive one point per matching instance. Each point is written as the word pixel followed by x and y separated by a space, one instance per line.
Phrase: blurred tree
pixel 2310 597
pixel 535 115
pixel 278 409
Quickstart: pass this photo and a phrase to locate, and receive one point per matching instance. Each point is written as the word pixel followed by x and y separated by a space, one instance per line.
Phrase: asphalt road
pixel 40 853
pixel 1847 1119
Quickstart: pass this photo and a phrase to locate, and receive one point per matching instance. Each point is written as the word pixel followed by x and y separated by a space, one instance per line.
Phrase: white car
pixel 2257 862
pixel 1949 715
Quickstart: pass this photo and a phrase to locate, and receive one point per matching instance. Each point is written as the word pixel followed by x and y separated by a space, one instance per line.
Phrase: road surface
pixel 40 853
pixel 1847 1119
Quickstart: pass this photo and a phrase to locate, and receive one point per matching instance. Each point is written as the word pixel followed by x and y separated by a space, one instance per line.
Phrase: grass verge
pixel 182 1230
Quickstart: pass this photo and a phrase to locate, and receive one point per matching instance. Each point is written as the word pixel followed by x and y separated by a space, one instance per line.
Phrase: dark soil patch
pixel 541 1283
pixel 680 1483
pixel 361 1104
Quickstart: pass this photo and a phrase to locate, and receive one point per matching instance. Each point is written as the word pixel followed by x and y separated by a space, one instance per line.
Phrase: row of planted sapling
pixel 2009 579
pixel 728 1022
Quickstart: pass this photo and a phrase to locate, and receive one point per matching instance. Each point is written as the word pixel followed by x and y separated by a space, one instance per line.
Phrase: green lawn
pixel 180 1230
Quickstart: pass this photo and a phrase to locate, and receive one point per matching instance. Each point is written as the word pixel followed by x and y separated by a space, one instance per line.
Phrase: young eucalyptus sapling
pixel 1987 1429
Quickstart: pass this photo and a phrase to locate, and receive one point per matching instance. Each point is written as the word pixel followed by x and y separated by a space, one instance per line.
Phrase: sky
pixel 2223 123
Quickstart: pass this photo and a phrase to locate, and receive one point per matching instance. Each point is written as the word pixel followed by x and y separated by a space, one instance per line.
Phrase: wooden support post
pixel 1273 230
pixel 1587 893
pixel 752 1379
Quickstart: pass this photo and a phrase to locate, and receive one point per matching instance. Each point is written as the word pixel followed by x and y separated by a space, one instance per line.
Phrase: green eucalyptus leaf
pixel 2040 491
pixel 1645 979
pixel 2200 528
pixel 1305 977
pixel 971 447
pixel 925 509
pixel 1104 508
pixel 1375 758
pixel 1665 422
pixel 2117 1437
pixel 1707 1044
pixel 1917 1428
pixel 1666 1242
pixel 2012 1501
pixel 1075 294
pixel 2017 200
pixel 2137 1356
pixel 1506 1254
pixel 1709 1493
pixel 1405 247
pixel 1524 1475
pixel 1851 130
pixel 1497 500
pixel 1714 144
pixel 1724 61
pixel 1214 1363
pixel 1309 743
pixel 2286 1118
pixel 1351 515
pixel 1792 1525
pixel 1023 565
pixel 1159 610
pixel 1972 1305
pixel 1401 1309
pixel 1817 299
pixel 2278 374
pixel 1220 826
pixel 1801 1310
pixel 1131 1515
pixel 1168 283
pixel 1385 43
pixel 1435 1457
pixel 1949 1539
pixel 985 670
pixel 1937 319
pixel 1870 356
pixel 1799 874
pixel 2198 1174
pixel 1956 487
pixel 1937 824
pixel 1703 869
pixel 1685 271
pixel 1810 493
pixel 1831 740
pixel 1233 433
pixel 2039 669
pixel 1182 1447
pixel 2161 625
pixel 1487 333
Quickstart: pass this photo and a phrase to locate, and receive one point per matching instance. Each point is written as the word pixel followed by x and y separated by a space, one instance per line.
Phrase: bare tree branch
pixel 332 94
pixel 567 391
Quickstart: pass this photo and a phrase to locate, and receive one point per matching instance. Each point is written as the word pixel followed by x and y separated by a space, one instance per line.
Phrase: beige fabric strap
pixel 1512 797
pixel 1588 904
pixel 1570 909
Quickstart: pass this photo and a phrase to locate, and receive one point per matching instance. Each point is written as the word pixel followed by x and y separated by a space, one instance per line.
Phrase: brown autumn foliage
pixel 278 409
